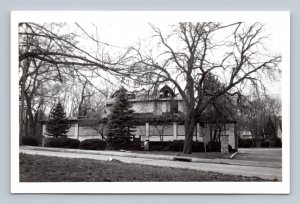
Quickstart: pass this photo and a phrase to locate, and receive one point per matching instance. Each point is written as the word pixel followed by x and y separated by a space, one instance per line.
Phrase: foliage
pixel 276 143
pixel 57 125
pixel 245 143
pixel 159 145
pixel 62 142
pixel 31 141
pixel 176 145
pixel 198 146
pixel 213 146
pixel 120 122
pixel 134 145
pixel 265 143
pixel 92 144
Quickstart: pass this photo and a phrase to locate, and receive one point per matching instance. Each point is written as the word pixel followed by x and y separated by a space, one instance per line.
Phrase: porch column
pixel 198 132
pixel 236 140
pixel 146 141
pixel 76 130
pixel 44 135
pixel 174 130
pixel 44 129
pixel 147 131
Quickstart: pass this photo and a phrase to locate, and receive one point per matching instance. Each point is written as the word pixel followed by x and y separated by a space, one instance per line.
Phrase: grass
pixel 35 168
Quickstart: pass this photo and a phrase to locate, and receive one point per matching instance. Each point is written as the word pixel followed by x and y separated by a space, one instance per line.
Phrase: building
pixel 158 116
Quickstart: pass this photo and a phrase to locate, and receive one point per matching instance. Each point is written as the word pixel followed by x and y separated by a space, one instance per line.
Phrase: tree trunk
pixel 189 127
pixel 21 112
pixel 30 122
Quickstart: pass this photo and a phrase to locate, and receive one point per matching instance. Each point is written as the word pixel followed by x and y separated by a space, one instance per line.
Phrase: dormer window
pixel 166 92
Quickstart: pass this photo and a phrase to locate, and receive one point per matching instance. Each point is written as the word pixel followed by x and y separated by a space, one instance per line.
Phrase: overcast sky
pixel 124 34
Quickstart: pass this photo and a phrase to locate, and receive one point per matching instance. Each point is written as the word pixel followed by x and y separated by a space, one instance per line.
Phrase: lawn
pixel 35 168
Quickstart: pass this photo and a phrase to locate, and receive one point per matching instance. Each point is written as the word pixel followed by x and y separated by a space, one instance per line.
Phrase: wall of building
pixel 156 107
pixel 87 133
pixel 84 133
pixel 202 133
pixel 143 107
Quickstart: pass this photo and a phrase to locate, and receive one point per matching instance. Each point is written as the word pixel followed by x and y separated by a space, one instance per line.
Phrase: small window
pixel 174 106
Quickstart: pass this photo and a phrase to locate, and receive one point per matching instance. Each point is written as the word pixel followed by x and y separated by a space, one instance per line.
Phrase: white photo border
pixel 283 187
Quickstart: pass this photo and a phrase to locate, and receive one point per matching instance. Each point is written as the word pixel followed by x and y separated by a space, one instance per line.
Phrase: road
pixel 233 167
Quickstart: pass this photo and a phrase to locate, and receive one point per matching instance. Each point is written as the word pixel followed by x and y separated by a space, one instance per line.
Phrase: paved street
pixel 263 167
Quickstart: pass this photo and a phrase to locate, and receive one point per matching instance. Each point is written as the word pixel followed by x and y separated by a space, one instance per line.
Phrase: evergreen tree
pixel 120 122
pixel 57 125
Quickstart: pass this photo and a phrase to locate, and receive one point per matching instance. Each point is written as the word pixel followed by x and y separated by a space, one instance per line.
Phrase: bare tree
pixel 50 54
pixel 185 56
pixel 257 114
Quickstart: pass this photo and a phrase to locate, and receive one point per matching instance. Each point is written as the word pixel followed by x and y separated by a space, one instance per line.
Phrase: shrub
pixel 276 143
pixel 135 145
pixel 73 143
pixel 245 143
pixel 93 144
pixel 213 146
pixel 63 142
pixel 198 146
pixel 159 146
pixel 31 141
pixel 176 145
pixel 265 143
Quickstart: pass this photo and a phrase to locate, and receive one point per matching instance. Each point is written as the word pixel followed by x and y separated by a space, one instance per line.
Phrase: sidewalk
pixel 226 166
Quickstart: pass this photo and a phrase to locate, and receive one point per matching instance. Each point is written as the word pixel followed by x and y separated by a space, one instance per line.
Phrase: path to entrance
pixel 240 166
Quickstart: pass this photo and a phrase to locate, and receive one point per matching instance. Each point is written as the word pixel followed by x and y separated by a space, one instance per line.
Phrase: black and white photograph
pixel 150 102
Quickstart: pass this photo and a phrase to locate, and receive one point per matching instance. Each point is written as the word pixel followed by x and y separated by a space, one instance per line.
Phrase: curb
pixel 97 152
pixel 127 154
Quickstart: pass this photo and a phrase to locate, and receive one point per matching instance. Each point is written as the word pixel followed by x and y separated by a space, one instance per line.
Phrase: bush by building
pixel 265 143
pixel 176 146
pixel 213 146
pixel 134 145
pixel 62 142
pixel 93 144
pixel 30 141
pixel 159 146
pixel 276 143
pixel 198 146
pixel 246 143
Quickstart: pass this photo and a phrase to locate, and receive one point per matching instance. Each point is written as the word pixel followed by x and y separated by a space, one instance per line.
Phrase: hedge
pixel 213 146
pixel 31 141
pixel 276 143
pixel 62 142
pixel 134 145
pixel 265 143
pixel 159 146
pixel 198 146
pixel 176 146
pixel 246 143
pixel 93 144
